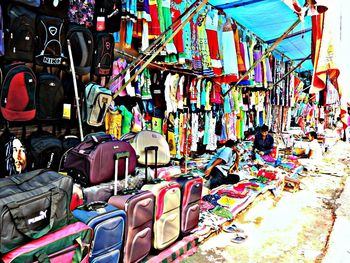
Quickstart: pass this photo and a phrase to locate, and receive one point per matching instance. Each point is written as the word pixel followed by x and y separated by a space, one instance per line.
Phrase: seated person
pixel 314 156
pixel 315 150
pixel 218 170
pixel 320 127
pixel 263 142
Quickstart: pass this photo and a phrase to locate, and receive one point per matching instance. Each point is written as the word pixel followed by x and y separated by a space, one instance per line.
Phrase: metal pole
pixel 153 46
pixel 75 90
pixel 159 49
pixel 267 52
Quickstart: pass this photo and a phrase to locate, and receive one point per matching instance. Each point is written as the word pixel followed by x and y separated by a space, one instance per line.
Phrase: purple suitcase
pixel 91 162
pixel 139 208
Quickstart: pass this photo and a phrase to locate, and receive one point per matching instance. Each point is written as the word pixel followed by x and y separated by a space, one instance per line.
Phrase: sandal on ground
pixel 232 228
pixel 239 238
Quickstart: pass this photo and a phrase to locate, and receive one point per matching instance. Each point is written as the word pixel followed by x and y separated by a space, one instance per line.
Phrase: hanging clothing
pixel 204 46
pixel 211 26
pixel 154 28
pixel 240 62
pixel 113 122
pixel 229 50
pixel 118 66
pixel 258 69
pixel 196 56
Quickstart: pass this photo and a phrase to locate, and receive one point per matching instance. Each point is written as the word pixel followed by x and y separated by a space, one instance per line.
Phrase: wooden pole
pixel 267 52
pixel 199 7
pixel 291 70
pixel 153 46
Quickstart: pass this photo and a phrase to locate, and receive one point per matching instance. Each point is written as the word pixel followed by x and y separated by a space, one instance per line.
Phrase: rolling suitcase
pixel 144 139
pixel 191 192
pixel 139 208
pixel 108 224
pixel 166 227
pixel 69 244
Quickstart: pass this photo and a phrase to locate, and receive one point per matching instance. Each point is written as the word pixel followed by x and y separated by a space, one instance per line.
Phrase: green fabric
pixel 222 212
pixel 127 118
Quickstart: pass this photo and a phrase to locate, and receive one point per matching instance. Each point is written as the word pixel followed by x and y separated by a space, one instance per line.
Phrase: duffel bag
pixel 69 244
pixel 32 205
pixel 92 161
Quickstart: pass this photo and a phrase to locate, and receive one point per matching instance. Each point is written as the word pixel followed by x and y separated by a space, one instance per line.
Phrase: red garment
pixel 212 36
pixel 240 61
pixel 178 38
pixel 154 26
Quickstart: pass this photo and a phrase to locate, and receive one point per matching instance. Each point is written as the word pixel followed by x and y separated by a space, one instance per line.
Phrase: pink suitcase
pixel 166 227
pixel 139 208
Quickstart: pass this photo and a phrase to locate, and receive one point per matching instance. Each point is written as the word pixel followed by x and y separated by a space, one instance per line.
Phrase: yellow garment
pixel 113 123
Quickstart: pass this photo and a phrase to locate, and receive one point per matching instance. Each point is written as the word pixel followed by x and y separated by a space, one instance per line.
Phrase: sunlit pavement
pixel 311 225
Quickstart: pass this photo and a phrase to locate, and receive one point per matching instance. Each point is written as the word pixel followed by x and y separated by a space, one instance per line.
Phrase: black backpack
pixel 81 39
pixel 12 155
pixel 103 54
pixel 2 43
pixel 49 97
pixel 51 41
pixel 110 12
pixel 20 34
pixel 44 151
pixel 56 8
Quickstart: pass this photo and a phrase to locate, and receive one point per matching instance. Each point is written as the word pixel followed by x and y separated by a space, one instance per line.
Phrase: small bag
pixel 97 100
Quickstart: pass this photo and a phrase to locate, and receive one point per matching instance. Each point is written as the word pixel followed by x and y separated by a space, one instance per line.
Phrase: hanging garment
pixel 113 122
pixel 240 62
pixel 211 26
pixel 258 77
pixel 127 119
pixel 137 119
pixel 194 133
pixel 196 56
pixel 204 46
pixel 186 55
pixel 208 88
pixel 154 28
pixel 173 89
pixel 118 66
pixel 179 93
pixel 229 50
pixel 221 22
pixel 176 11
pixel 212 140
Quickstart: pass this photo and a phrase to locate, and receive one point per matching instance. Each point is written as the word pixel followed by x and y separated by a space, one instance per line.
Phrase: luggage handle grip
pixel 93 206
pixel 147 149
pixel 42 257
pixel 22 224
pixel 20 179
pixel 120 155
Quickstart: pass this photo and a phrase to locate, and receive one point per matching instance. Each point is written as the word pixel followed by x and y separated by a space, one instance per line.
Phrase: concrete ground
pixel 311 225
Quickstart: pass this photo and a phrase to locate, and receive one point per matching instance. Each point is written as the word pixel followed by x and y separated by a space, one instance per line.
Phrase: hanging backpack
pixel 2 43
pixel 56 8
pixel 12 155
pixel 44 151
pixel 81 12
pixel 82 40
pixel 103 54
pixel 107 15
pixel 51 40
pixel 34 3
pixel 20 34
pixel 50 95
pixel 18 93
pixel 96 102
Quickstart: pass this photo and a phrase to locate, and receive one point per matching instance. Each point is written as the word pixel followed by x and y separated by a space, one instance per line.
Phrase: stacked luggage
pixel 40 208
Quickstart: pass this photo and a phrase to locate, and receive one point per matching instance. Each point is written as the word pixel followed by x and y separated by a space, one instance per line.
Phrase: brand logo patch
pixel 41 216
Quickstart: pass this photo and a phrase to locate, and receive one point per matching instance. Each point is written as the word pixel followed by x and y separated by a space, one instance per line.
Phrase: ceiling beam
pixel 234 5
pixel 290 36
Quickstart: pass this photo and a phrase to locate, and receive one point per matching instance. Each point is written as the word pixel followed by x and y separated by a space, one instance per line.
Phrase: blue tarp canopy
pixel 269 19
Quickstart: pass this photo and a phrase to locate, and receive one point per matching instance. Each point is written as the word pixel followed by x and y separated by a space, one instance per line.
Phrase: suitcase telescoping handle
pixel 147 149
pixel 117 156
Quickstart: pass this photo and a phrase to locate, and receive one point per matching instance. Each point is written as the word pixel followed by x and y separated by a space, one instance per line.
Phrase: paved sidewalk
pixel 339 242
